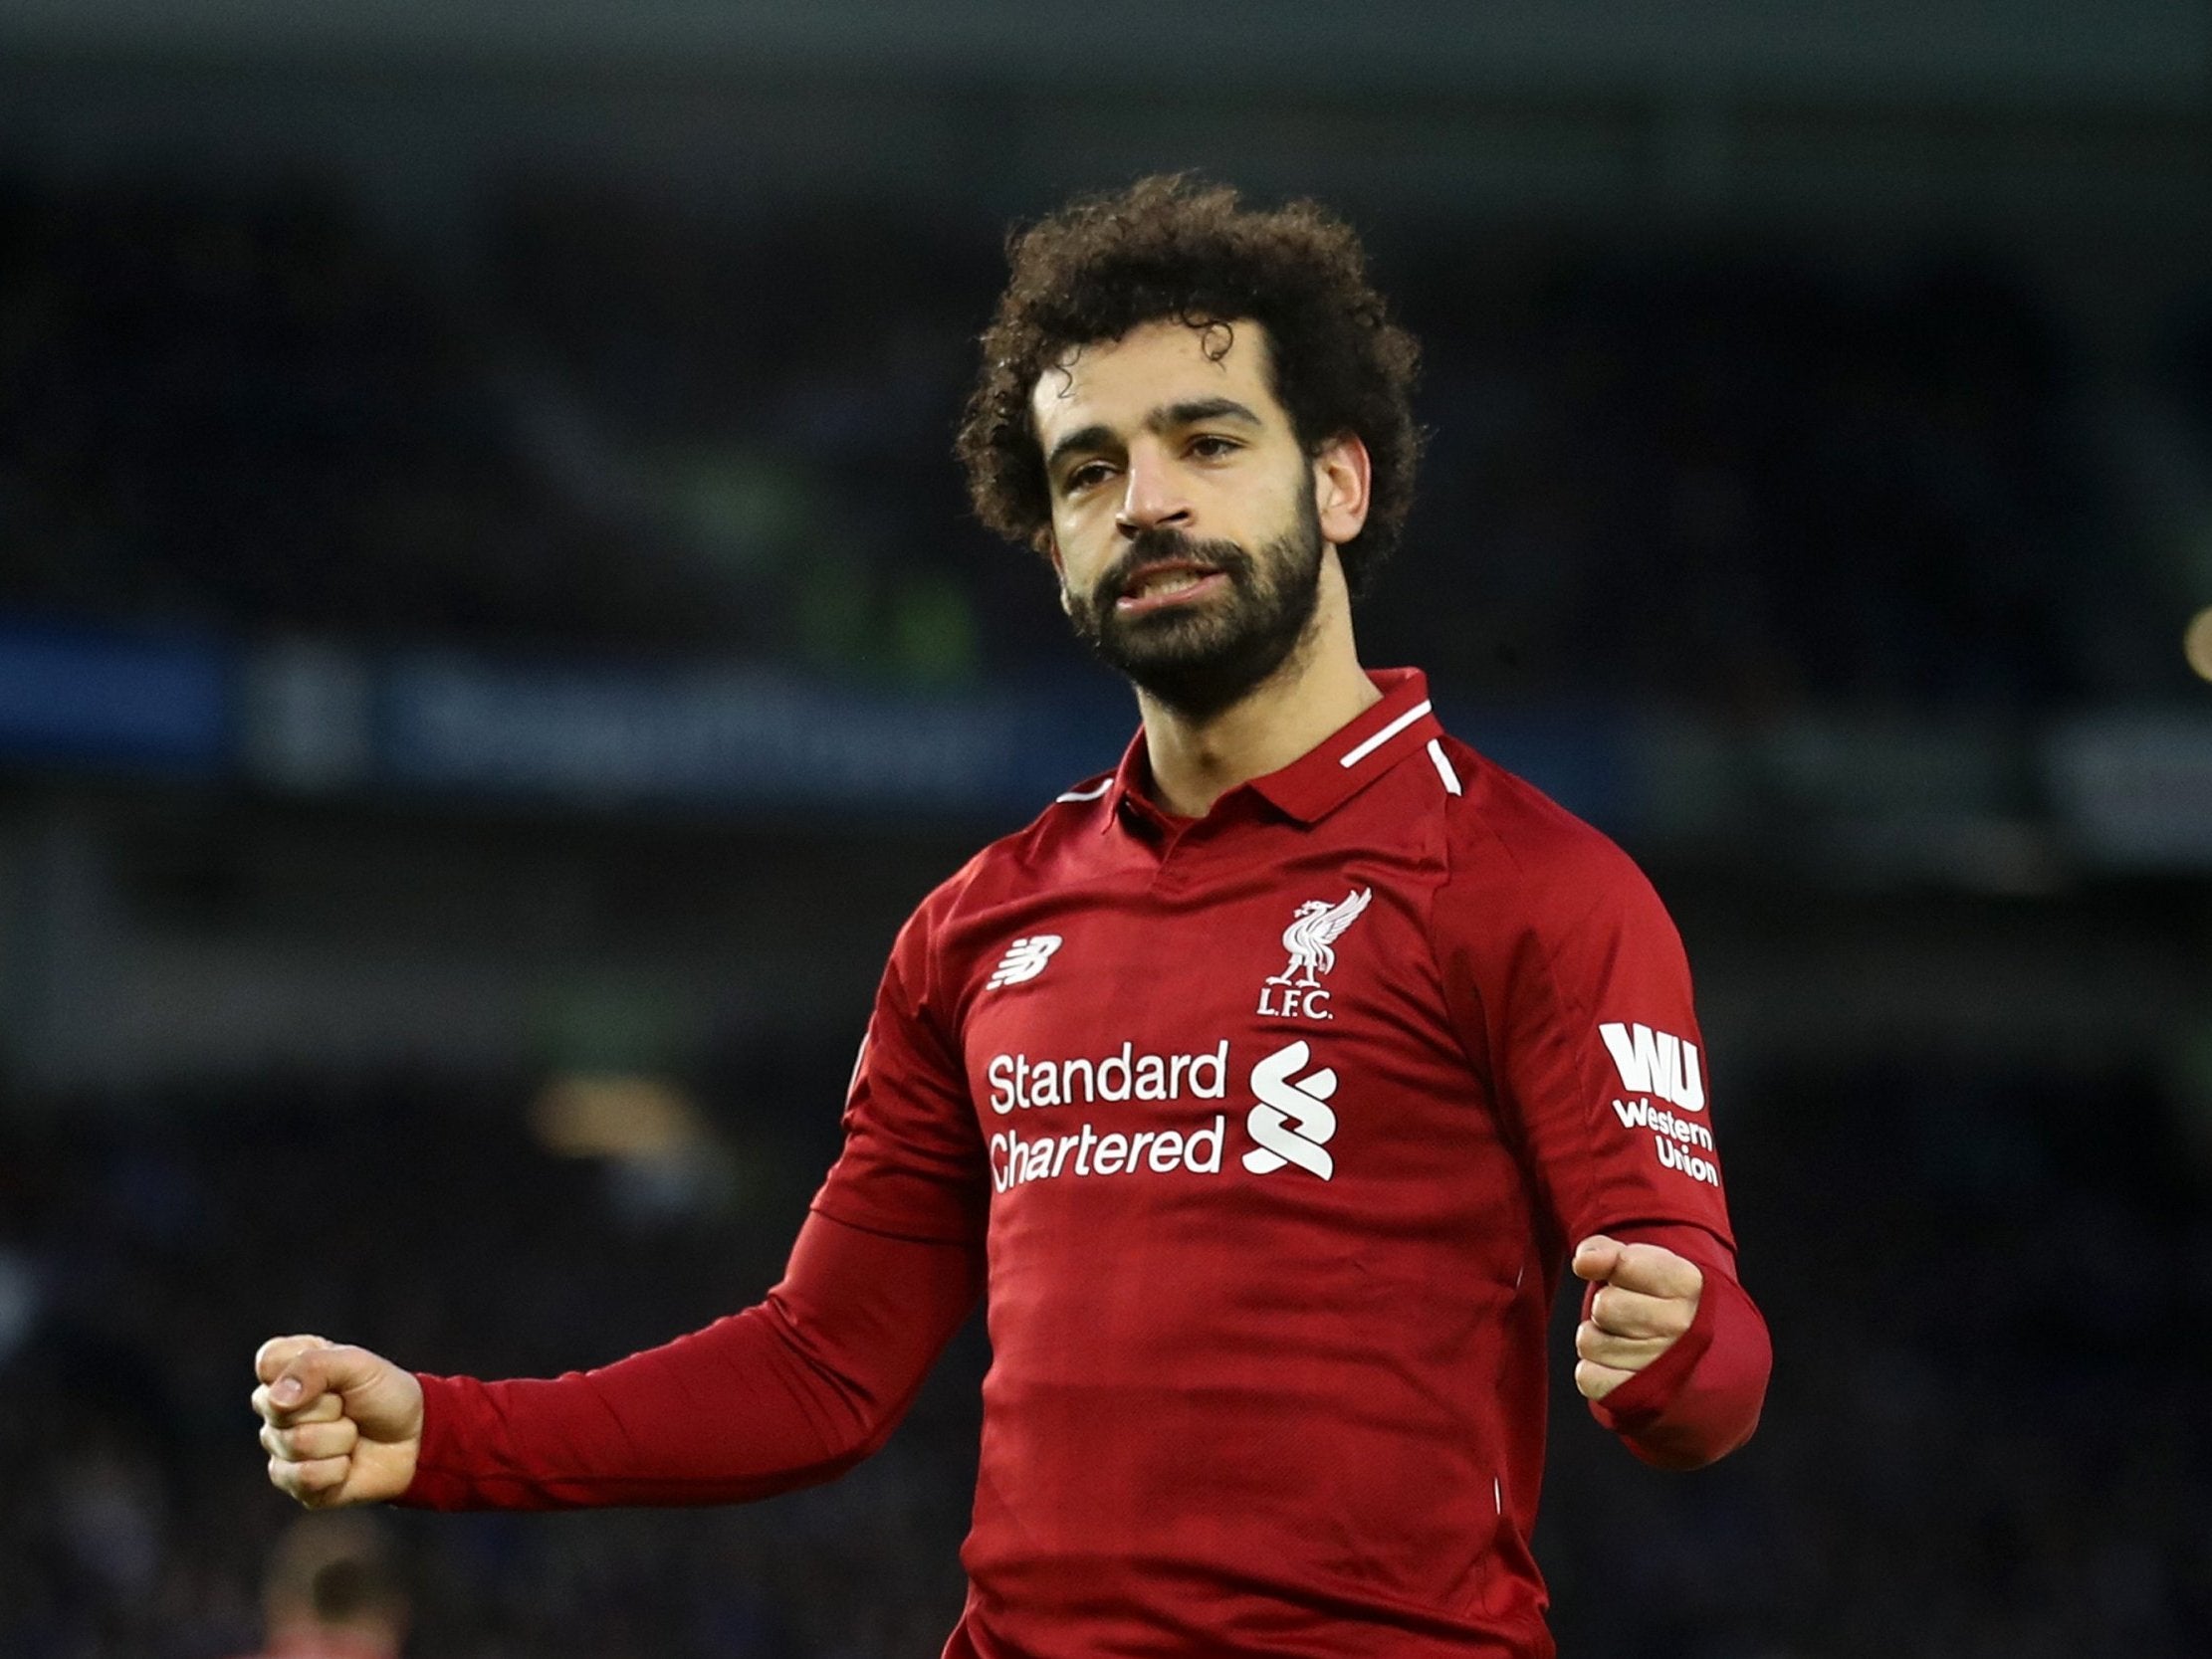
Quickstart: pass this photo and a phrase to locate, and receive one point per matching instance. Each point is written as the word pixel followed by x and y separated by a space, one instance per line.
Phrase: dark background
pixel 492 645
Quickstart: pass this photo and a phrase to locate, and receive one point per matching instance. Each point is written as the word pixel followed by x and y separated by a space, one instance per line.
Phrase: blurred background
pixel 492 645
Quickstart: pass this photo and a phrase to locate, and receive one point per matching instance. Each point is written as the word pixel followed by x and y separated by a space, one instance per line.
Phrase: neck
pixel 1317 690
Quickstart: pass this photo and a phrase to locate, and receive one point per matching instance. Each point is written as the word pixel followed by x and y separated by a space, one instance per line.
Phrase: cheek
pixel 1080 553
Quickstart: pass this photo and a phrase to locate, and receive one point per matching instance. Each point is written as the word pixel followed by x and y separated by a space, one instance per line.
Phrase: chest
pixel 1266 1030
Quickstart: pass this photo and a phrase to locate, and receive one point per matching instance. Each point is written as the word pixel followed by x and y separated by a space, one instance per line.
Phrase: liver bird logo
pixel 1311 938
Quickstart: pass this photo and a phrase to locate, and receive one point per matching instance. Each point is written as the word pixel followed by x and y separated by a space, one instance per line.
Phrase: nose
pixel 1153 495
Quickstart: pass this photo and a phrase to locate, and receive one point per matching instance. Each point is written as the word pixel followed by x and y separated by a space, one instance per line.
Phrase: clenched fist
pixel 1646 1296
pixel 340 1425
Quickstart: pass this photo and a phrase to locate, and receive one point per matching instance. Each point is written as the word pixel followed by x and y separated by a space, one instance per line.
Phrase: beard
pixel 1202 659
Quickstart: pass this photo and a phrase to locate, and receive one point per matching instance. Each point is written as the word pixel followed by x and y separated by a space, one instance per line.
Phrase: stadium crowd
pixel 1982 1443
pixel 589 419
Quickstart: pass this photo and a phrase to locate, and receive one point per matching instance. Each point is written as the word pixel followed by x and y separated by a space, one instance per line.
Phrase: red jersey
pixel 1275 1129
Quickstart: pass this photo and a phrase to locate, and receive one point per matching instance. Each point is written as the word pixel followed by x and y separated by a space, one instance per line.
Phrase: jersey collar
pixel 1326 775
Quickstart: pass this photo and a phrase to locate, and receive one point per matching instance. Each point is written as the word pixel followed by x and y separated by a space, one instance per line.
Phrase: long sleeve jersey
pixel 1265 1136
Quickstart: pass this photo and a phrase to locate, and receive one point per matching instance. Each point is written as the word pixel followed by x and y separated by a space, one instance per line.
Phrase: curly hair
pixel 1175 247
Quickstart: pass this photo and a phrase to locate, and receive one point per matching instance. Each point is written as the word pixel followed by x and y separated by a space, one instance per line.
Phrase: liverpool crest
pixel 1296 992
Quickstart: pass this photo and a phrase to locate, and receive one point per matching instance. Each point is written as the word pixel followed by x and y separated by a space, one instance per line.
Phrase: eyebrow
pixel 1189 413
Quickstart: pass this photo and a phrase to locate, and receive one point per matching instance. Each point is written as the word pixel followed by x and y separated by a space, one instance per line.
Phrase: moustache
pixel 1158 547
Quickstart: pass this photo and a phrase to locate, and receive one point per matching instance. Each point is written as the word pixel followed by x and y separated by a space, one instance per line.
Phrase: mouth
pixel 1168 583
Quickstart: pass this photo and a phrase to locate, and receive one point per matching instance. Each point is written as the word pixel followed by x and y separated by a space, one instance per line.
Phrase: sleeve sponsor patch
pixel 1656 1063
pixel 1656 1067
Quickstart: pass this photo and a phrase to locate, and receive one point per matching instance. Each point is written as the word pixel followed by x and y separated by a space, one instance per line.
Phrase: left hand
pixel 1646 1298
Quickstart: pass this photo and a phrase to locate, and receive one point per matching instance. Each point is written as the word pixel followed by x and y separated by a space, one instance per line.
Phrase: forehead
pixel 1117 383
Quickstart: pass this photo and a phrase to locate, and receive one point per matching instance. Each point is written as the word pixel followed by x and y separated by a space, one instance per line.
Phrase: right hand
pixel 340 1425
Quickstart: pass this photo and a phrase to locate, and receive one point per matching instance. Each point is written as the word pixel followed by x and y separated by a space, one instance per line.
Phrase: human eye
pixel 1078 479
pixel 1213 446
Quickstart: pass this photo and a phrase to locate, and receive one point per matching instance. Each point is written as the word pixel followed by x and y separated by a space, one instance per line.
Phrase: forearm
pixel 790 1392
pixel 1701 1398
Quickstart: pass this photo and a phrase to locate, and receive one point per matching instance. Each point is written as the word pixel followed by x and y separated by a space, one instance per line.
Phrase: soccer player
pixel 334 1592
pixel 1263 1086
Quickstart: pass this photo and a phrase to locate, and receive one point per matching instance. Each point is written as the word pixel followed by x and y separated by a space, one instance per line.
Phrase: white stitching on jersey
pixel 1444 767
pixel 1363 751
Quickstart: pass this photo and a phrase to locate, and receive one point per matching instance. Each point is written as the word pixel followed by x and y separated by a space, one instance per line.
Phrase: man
pixel 1267 1081
pixel 333 1592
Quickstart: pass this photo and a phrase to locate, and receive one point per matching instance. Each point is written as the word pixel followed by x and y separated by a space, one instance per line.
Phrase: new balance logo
pixel 1024 960
pixel 1293 1121
pixel 1656 1063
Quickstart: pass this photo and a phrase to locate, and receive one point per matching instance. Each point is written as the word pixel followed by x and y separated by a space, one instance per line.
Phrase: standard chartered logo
pixel 1293 1121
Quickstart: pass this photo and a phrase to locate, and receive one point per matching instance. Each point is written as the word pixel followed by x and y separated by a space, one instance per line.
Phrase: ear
pixel 1342 474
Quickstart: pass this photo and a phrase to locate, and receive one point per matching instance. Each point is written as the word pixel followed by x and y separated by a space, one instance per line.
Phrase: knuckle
pixel 323 1475
pixel 321 1440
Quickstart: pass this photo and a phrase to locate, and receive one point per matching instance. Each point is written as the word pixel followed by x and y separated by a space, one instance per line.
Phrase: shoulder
pixel 1512 846
pixel 1504 822
pixel 1040 856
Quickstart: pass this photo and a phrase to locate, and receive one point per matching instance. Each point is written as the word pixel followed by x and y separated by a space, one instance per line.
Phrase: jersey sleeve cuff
pixel 1701 1399
pixel 438 1483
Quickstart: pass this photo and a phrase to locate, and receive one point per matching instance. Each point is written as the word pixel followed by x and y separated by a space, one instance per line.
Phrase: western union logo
pixel 1656 1063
